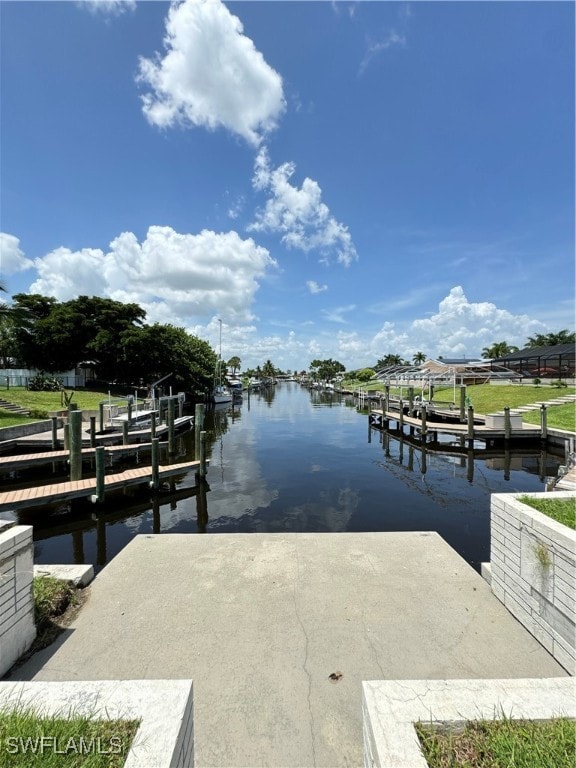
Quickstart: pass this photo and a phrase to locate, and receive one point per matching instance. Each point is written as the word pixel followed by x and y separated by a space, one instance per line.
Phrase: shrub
pixel 44 383
pixel 38 414
pixel 365 374
pixel 558 383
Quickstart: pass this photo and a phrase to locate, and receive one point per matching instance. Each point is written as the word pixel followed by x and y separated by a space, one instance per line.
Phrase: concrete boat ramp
pixel 278 631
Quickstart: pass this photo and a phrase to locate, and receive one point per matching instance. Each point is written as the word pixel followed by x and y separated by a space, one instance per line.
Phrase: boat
pixel 220 393
pixel 235 386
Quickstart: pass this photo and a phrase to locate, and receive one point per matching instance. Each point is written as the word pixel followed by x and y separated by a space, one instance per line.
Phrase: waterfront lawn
pixel 559 416
pixel 40 403
pixel 562 510
pixel 30 739
pixel 9 419
pixel 487 398
pixel 506 742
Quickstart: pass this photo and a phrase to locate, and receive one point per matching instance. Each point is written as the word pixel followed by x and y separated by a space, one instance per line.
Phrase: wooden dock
pixel 53 492
pixel 10 463
pixel 135 436
pixel 377 418
pixel 567 482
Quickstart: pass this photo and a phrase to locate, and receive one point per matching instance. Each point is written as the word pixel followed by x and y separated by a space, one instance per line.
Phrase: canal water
pixel 290 459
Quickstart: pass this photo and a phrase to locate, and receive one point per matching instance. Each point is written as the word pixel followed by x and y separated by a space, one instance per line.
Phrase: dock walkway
pixel 74 489
pixel 9 463
pixel 260 622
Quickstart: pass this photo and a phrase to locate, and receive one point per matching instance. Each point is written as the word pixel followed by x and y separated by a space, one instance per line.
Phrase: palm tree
pixel 418 358
pixel 498 349
pixel 552 339
pixel 234 363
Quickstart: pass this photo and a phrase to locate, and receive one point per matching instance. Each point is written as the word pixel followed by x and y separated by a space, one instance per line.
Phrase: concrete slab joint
pixel 532 571
pixel 391 708
pixel 165 736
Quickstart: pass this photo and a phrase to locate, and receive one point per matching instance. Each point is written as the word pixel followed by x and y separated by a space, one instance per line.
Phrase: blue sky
pixel 330 179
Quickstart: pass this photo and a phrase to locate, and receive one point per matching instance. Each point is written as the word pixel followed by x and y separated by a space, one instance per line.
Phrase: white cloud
pixel 390 39
pixel 314 287
pixel 299 214
pixel 336 315
pixel 459 328
pixel 174 276
pixel 108 7
pixel 12 258
pixel 211 75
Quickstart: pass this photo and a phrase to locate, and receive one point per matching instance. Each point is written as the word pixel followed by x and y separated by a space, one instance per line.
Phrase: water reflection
pixel 289 459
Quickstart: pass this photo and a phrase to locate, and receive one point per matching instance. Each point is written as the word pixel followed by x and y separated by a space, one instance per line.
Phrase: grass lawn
pixel 487 398
pixel 503 743
pixel 40 403
pixel 562 510
pixel 30 739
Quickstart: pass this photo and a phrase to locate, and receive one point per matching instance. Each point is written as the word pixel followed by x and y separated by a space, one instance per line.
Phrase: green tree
pixel 389 360
pixel 268 370
pixel 57 336
pixel 155 351
pixel 552 339
pixel 365 374
pixel 234 363
pixel 326 370
pixel 418 358
pixel 498 349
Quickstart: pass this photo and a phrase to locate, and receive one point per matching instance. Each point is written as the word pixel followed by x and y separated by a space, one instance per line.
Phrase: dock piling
pixel 423 428
pixel 54 433
pixel 98 497
pixel 125 428
pixel 101 417
pixel 75 445
pixel 202 468
pixel 506 423
pixel 171 437
pixel 92 431
pixel 462 403
pixel 544 421
pixel 198 426
pixel 471 424
pixel 155 482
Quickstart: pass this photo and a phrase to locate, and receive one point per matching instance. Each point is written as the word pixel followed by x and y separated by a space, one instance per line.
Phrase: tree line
pixel 51 336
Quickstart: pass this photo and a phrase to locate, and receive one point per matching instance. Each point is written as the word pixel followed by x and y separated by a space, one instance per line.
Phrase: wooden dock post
pixel 101 417
pixel 171 435
pixel 198 426
pixel 401 415
pixel 411 401
pixel 423 428
pixel 92 431
pixel 152 426
pixel 424 466
pixel 411 458
pixel 462 402
pixel 544 421
pixel 54 433
pixel 155 482
pixel 125 428
pixel 202 468
pixel 75 445
pixel 506 423
pixel 98 497
pixel 129 412
pixel 470 424
pixel 66 430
